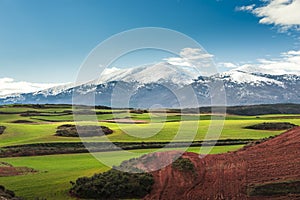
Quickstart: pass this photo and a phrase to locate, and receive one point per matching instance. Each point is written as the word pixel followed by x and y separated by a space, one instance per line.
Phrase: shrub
pixel 7 194
pixel 183 164
pixel 113 184
pixel 138 111
pixel 272 126
pixel 275 188
pixel 69 130
pixel 2 128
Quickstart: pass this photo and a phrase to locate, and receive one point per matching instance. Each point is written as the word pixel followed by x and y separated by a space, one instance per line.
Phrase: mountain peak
pixel 159 72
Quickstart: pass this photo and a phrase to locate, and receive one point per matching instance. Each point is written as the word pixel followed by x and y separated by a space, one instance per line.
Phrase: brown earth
pixel 7 169
pixel 231 176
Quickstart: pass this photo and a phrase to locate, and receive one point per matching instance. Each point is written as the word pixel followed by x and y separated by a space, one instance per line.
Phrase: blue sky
pixel 45 41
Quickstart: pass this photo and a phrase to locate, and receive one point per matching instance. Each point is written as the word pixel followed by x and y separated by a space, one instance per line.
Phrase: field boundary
pixel 78 147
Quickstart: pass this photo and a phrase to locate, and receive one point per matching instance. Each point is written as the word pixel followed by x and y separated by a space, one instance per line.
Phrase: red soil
pixel 9 170
pixel 231 175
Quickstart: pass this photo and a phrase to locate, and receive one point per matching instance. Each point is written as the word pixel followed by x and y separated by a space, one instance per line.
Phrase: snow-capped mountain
pixel 55 90
pixel 159 84
pixel 255 88
pixel 240 77
pixel 160 72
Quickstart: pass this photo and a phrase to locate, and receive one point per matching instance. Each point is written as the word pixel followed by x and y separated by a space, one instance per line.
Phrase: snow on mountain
pixel 265 70
pixel 155 73
pixel 55 90
pixel 243 85
pixel 242 77
pixel 160 72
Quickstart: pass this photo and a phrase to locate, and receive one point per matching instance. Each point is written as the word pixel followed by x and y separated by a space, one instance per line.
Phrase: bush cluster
pixel 276 188
pixel 138 111
pixel 69 130
pixel 2 128
pixel 113 184
pixel 7 194
pixel 183 164
pixel 272 126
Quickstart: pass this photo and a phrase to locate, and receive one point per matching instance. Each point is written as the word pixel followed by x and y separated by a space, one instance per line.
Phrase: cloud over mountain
pixel 196 58
pixel 11 86
pixel 287 63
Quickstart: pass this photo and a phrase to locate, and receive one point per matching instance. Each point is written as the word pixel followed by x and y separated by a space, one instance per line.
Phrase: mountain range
pixel 158 84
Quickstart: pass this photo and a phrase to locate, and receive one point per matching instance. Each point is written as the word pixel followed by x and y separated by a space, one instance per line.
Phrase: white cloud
pixel 195 58
pixel 227 65
pixel 291 53
pixel 245 8
pixel 178 61
pixel 194 54
pixel 287 63
pixel 10 86
pixel 190 57
pixel 284 13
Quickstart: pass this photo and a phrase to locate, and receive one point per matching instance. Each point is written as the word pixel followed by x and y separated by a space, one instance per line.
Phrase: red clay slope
pixel 231 175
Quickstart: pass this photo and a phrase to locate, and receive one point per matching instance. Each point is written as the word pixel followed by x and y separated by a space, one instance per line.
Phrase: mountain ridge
pixel 159 84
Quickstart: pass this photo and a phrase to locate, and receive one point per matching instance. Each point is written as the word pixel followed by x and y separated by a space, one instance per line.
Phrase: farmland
pixel 36 125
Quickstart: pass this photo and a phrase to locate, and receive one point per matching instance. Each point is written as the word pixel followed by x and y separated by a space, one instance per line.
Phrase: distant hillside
pixel 252 110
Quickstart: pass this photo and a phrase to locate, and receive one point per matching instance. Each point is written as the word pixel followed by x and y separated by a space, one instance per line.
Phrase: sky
pixel 46 41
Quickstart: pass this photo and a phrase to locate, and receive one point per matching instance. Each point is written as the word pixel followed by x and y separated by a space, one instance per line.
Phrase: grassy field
pixel 56 171
pixel 42 131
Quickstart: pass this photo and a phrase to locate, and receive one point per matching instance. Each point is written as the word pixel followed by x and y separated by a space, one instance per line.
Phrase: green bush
pixel 6 194
pixel 138 111
pixel 113 184
pixel 276 188
pixel 183 164
pixel 272 126
pixel 69 130
pixel 2 128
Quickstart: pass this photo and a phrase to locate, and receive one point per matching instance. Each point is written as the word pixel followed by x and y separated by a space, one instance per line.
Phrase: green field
pixel 56 171
pixel 42 131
